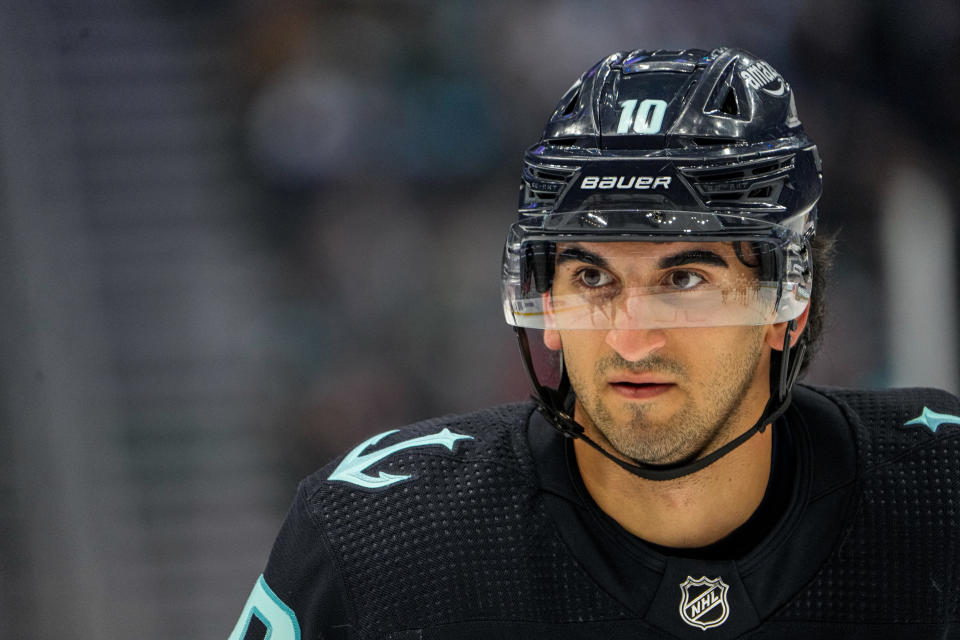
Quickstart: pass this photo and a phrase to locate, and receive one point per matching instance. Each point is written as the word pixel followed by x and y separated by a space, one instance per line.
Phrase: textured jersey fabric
pixel 475 526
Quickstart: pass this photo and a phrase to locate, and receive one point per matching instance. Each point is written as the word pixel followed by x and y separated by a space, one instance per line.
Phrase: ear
pixel 551 337
pixel 775 332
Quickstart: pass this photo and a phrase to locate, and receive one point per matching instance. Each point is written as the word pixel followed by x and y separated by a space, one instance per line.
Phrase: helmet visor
pixel 579 282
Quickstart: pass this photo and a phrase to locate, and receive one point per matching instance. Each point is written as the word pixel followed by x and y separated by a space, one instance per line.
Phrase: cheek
pixel 735 350
pixel 716 349
pixel 580 348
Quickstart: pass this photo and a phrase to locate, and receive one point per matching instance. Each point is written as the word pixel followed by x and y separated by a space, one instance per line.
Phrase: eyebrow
pixel 693 256
pixel 578 254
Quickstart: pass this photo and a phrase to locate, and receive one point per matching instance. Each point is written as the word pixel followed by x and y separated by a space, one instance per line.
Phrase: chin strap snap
pixel 783 374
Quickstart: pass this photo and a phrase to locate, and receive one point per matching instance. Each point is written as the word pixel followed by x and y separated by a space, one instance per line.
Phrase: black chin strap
pixel 783 374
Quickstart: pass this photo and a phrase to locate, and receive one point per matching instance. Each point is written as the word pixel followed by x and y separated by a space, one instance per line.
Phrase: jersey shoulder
pixel 362 529
pixel 891 424
pixel 898 553
pixel 416 476
pixel 447 525
pixel 432 452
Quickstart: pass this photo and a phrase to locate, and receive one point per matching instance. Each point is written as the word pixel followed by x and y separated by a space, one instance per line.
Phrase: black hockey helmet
pixel 667 146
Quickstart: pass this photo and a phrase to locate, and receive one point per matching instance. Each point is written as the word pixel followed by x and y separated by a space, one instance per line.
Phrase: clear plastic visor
pixel 583 284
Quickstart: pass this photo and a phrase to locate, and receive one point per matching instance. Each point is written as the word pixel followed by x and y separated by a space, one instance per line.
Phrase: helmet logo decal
pixel 704 602
pixel 649 118
pixel 625 182
pixel 759 74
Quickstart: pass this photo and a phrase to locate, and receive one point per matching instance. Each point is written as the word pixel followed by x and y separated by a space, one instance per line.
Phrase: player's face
pixel 660 395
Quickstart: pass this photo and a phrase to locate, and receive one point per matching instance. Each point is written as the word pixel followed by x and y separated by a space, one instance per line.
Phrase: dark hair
pixel 822 248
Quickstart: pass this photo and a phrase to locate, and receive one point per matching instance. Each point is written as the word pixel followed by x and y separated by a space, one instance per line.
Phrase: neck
pixel 692 511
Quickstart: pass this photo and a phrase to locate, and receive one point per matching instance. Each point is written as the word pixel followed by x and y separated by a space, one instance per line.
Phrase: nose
pixel 635 344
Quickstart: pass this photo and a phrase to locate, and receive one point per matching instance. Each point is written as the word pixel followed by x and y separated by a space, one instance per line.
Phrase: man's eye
pixel 683 280
pixel 594 278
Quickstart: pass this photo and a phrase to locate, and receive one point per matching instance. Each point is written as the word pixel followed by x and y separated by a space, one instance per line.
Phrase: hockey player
pixel 669 480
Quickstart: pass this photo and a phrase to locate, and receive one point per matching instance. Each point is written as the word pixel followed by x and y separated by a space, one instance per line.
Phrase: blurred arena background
pixel 237 237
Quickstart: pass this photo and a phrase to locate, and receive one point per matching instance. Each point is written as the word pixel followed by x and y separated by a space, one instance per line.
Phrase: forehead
pixel 653 251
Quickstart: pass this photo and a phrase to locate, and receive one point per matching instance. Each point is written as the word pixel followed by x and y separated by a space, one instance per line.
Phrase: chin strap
pixel 783 374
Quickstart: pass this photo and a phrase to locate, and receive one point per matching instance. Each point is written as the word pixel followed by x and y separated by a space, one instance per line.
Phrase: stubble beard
pixel 697 427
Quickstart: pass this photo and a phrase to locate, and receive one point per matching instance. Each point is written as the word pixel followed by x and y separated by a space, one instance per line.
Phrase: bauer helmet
pixel 668 146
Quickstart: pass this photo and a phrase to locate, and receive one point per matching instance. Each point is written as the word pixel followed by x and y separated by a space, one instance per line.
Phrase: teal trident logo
pixel 351 468
pixel 932 420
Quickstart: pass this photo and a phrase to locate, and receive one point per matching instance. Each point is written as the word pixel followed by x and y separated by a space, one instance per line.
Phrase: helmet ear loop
pixel 552 398
pixel 550 402
pixel 563 387
pixel 789 367
pixel 524 341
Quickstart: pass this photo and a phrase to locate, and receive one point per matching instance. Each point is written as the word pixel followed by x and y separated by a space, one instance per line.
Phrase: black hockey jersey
pixel 475 527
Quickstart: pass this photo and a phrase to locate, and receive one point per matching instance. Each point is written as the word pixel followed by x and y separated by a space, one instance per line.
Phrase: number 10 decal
pixel 649 116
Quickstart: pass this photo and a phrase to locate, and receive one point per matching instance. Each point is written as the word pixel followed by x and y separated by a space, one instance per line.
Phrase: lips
pixel 640 387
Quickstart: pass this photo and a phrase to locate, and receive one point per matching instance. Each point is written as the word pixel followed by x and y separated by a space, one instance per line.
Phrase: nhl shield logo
pixel 704 602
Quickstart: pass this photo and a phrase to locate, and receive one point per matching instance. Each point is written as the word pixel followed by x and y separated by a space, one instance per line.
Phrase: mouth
pixel 641 390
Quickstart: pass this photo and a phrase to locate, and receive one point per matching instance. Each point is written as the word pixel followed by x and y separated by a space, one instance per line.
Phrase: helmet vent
pixel 730 105
pixel 749 183
pixel 713 142
pixel 572 105
pixel 732 195
pixel 550 174
pixel 541 185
